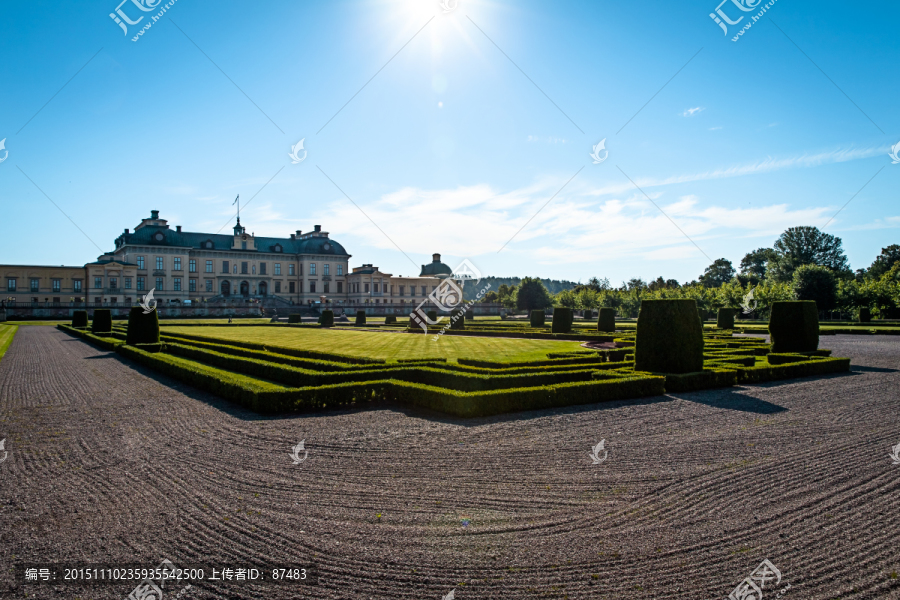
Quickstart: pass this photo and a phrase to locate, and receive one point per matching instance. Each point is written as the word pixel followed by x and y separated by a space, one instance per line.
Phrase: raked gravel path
pixel 110 463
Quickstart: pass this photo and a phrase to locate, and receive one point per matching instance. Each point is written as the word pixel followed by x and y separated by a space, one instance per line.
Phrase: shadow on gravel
pixel 862 369
pixel 733 400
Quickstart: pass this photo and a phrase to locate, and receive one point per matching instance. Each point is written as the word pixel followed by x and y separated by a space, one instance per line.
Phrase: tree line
pixel 804 263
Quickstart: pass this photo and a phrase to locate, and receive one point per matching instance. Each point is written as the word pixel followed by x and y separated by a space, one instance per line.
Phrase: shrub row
pixel 701 380
pixel 810 368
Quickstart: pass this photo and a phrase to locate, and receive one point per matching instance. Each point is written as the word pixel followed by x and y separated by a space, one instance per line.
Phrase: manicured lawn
pixel 6 337
pixel 387 345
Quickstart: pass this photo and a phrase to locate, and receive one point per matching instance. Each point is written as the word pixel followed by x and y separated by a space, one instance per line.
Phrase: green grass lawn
pixel 6 337
pixel 375 344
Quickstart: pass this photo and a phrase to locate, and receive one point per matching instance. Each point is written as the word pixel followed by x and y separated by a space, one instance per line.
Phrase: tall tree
pixel 756 263
pixel 717 274
pixel 812 282
pixel 532 295
pixel 885 261
pixel 800 246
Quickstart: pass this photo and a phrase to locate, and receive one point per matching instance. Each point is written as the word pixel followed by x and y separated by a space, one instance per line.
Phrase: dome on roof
pixel 436 268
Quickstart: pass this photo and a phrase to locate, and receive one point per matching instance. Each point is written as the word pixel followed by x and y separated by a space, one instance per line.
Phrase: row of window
pixel 246 267
pixel 55 284
pixel 355 287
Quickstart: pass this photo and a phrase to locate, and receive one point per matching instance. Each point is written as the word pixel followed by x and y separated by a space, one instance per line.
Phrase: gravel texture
pixel 110 463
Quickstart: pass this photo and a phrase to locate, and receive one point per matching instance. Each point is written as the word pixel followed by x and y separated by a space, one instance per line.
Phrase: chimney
pixel 178 228
pixel 126 230
pixel 298 233
pixel 318 228
pixel 436 257
pixel 154 214
pixel 293 236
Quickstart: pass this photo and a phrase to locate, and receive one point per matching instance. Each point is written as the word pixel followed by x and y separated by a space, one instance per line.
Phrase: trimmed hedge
pixel 360 317
pixel 810 368
pixel 470 315
pixel 390 319
pixel 537 318
pixel 606 320
pixel 458 319
pixel 142 328
pixel 794 326
pixel 701 380
pixel 725 318
pixel 669 337
pixel 102 321
pixel 104 343
pixel 327 318
pixel 79 318
pixel 295 318
pixel 562 320
pixel 865 315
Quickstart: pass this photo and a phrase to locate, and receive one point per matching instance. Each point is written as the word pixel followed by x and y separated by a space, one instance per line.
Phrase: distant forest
pixel 554 286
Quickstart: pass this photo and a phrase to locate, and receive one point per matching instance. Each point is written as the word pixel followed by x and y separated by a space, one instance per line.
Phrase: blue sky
pixel 481 116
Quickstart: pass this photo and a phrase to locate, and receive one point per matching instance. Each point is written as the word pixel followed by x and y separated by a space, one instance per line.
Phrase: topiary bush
pixel 102 321
pixel 432 315
pixel 458 319
pixel 562 320
pixel 669 337
pixel 295 318
pixel 142 328
pixel 794 326
pixel 606 320
pixel 327 318
pixel 470 315
pixel 537 318
pixel 360 317
pixel 390 320
pixel 79 318
pixel 865 315
pixel 725 318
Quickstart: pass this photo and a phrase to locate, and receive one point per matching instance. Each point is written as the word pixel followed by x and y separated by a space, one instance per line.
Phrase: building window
pixel 375 287
pixel 234 269
pixel 113 283
pixel 326 269
pixel 340 287
pixel 177 266
pixel 98 283
pixel 128 283
pixel 209 285
pixel 159 263
pixel 35 285
pixel 209 266
pixel 192 285
pixel 277 287
pixel 312 268
pixel 140 284
pixel 278 268
pixel 159 284
pixel 325 288
pixel 291 269
pixel 366 290
pixel 253 268
pixel 57 285
pixel 225 268
pixel 140 262
pixel 10 285
pixel 340 270
pixel 98 301
pixel 77 284
pixel 192 265
pixel 424 290
pixel 312 287
pixel 177 284
pixel 243 268
pixel 291 287
pixel 262 268
pixel 402 290
pixel 243 245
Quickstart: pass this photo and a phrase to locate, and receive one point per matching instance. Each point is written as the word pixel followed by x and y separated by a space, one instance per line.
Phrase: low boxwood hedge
pixel 701 380
pixel 809 368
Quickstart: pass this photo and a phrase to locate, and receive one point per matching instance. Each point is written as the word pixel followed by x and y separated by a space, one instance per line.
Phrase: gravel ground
pixel 110 463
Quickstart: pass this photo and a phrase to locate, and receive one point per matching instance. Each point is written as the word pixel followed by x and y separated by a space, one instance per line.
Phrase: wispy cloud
pixel 693 111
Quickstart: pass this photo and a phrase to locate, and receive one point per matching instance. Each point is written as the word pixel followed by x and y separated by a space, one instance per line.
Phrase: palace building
pixel 190 269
